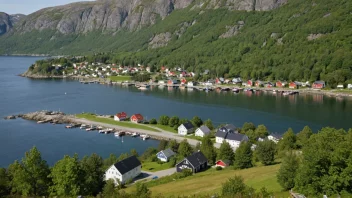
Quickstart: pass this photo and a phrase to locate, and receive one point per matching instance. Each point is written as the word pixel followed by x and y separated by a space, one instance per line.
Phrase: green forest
pixel 304 40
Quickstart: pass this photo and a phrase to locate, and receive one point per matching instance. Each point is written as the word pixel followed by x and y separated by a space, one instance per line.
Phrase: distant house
pixel 259 83
pixel 195 162
pixel 172 82
pixel 281 84
pixel 229 134
pixel 137 118
pixel 269 85
pixel 165 155
pixel 318 85
pixel 124 170
pixel 161 82
pixel 183 81
pixel 120 116
pixel 185 128
pixel 235 139
pixel 222 163
pixel 293 85
pixel 191 84
pixel 202 131
pixel 236 80
pixel 340 86
pixel 218 81
pixel 274 137
pixel 249 83
pixel 349 86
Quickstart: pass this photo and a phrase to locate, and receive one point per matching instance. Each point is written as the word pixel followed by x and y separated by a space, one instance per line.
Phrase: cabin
pixel 281 84
pixel 161 82
pixel 259 83
pixel 222 163
pixel 124 170
pixel 235 139
pixel 269 85
pixel 172 82
pixel 218 81
pixel 183 81
pixel 137 118
pixel 237 81
pixel 249 83
pixel 195 162
pixel 202 131
pixel 120 116
pixel 165 155
pixel 349 86
pixel 275 138
pixel 318 85
pixel 229 134
pixel 293 85
pixel 340 86
pixel 185 128
pixel 191 84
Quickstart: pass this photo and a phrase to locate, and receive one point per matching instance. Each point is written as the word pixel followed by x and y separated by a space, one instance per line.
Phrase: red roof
pixel 137 117
pixel 121 115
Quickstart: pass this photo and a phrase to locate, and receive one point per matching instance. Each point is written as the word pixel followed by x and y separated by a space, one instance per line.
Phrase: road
pixel 149 175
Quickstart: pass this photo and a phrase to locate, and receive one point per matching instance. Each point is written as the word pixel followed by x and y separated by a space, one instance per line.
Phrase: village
pixel 180 77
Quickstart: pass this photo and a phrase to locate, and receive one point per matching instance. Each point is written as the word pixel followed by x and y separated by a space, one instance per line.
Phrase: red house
pixel 137 118
pixel 318 85
pixel 258 83
pixel 269 85
pixel 120 116
pixel 183 81
pixel 280 84
pixel 293 85
pixel 222 163
pixel 217 81
pixel 249 83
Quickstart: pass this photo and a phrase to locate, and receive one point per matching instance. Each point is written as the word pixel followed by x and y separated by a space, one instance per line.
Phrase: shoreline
pixel 61 118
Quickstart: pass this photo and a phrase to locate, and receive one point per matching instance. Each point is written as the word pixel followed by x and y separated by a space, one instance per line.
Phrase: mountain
pixel 8 21
pixel 114 15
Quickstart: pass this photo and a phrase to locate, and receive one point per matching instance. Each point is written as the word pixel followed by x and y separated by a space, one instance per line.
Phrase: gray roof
pixel 230 127
pixel 188 125
pixel 127 164
pixel 168 152
pixel 319 82
pixel 236 136
pixel 204 129
pixel 197 159
pixel 221 134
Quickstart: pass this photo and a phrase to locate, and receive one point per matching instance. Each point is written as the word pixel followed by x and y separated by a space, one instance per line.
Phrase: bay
pixel 21 95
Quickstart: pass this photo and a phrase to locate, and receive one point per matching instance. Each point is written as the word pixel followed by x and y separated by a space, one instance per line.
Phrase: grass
pixel 165 128
pixel 94 118
pixel 210 182
pixel 120 78
pixel 154 166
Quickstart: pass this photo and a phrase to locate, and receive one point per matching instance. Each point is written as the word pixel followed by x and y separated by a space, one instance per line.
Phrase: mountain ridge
pixel 7 21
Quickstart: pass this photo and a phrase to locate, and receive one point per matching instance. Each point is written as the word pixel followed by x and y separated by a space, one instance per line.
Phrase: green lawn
pixel 120 78
pixel 154 166
pixel 165 128
pixel 210 182
pixel 113 122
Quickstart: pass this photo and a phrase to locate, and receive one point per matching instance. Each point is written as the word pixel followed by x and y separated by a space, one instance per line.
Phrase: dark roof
pixel 221 134
pixel 127 164
pixel 320 82
pixel 197 159
pixel 204 129
pixel 235 136
pixel 230 127
pixel 188 125
pixel 168 152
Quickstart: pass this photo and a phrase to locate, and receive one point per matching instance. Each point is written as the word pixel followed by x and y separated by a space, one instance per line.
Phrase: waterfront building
pixel 124 170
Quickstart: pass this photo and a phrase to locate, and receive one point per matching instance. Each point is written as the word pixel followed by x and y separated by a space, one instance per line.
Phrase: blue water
pixel 21 95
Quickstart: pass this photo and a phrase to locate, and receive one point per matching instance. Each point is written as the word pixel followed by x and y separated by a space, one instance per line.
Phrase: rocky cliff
pixel 8 21
pixel 113 15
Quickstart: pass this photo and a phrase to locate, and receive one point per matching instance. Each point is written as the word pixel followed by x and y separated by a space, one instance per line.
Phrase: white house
pixel 202 131
pixel 235 139
pixel 161 82
pixel 340 86
pixel 191 84
pixel 349 86
pixel 229 134
pixel 185 128
pixel 124 170
pixel 165 155
pixel 275 138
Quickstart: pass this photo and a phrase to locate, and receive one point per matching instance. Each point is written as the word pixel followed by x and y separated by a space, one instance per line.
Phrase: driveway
pixel 149 175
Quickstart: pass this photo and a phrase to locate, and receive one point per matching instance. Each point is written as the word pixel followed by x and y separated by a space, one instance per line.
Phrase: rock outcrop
pixel 160 40
pixel 8 21
pixel 113 15
pixel 232 30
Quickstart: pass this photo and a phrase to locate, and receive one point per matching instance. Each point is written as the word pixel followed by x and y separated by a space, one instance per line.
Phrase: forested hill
pixel 301 40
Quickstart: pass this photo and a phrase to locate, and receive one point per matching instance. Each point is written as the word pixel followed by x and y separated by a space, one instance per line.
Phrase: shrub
pixel 218 168
pixel 153 121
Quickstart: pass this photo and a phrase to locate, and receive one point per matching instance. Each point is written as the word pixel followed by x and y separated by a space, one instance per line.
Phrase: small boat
pixel 117 134
pixel 40 122
pixel 83 126
pixel 248 89
pixel 286 93
pixel 145 137
pixel 135 134
pixel 122 133
pixel 101 131
pixel 69 127
pixel 100 127
pixel 92 128
pixel 235 90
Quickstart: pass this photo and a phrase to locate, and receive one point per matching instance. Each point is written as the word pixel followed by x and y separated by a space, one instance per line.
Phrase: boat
pixel 286 93
pixel 69 127
pixel 40 122
pixel 100 127
pixel 83 126
pixel 102 131
pixel 145 137
pixel 122 133
pixel 235 90
pixel 135 134
pixel 92 128
pixel 117 134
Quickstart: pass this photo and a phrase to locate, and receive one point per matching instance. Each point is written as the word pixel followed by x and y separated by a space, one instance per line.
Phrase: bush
pixel 218 168
pixel 153 121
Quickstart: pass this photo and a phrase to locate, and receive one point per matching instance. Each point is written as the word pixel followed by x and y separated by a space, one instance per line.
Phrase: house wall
pixel 182 130
pixel 161 157
pixel 199 133
pixel 113 173
pixel 184 165
pixel 219 140
pixel 233 143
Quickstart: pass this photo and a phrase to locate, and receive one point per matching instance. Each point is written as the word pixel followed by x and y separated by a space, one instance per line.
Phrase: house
pixel 120 116
pixel 229 134
pixel 185 128
pixel 183 81
pixel 172 82
pixel 269 85
pixel 206 72
pixel 236 80
pixel 235 139
pixel 195 162
pixel 218 81
pixel 222 163
pixel 147 69
pixel 137 118
pixel 274 137
pixel 191 84
pixel 161 82
pixel 293 85
pixel 259 83
pixel 281 84
pixel 124 170
pixel 165 155
pixel 349 86
pixel 222 131
pixel 318 85
pixel 340 86
pixel 202 131
pixel 249 83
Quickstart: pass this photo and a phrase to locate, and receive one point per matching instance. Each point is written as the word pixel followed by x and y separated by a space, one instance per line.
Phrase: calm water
pixel 20 95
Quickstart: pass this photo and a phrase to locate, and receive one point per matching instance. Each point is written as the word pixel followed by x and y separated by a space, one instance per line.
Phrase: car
pixel 155 177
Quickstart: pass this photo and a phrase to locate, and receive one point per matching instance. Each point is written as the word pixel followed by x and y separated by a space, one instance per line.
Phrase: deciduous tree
pixel 303 136
pixel 93 173
pixel 243 156
pixel 287 172
pixel 196 121
pixel 207 148
pixel 265 152
pixel 185 149
pixel 226 152
pixel 209 124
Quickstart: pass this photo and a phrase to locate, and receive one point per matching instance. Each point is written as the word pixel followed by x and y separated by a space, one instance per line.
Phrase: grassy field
pixel 165 128
pixel 113 122
pixel 210 182
pixel 154 166
pixel 120 78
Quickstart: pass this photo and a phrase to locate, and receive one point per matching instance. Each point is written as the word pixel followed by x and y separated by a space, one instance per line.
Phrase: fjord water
pixel 21 95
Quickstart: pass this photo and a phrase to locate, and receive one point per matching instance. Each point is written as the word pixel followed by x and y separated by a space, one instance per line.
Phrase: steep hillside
pixel 8 21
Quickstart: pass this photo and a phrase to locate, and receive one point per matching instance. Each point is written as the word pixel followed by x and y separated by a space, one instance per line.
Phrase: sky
pixel 29 6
